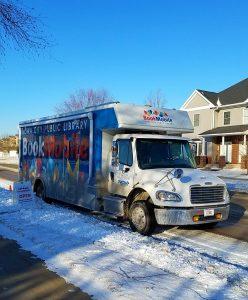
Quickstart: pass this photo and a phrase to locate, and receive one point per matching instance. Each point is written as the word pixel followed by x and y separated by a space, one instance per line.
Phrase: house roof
pixel 211 96
pixel 234 94
pixel 226 130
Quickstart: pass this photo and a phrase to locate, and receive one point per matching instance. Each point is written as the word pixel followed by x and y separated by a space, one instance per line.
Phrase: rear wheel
pixel 40 192
pixel 141 217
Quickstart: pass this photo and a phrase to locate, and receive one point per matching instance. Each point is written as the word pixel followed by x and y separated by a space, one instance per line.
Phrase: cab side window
pixel 125 153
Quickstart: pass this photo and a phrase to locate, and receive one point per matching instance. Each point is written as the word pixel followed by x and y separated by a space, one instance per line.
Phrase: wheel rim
pixel 139 218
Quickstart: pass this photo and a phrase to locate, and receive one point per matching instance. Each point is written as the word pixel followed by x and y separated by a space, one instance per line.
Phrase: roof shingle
pixel 234 94
pixel 226 129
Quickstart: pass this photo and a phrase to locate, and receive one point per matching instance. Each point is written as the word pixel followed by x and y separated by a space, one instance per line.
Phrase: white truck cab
pixel 158 174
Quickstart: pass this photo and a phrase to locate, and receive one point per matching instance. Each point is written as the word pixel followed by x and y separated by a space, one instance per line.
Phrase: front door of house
pixel 228 146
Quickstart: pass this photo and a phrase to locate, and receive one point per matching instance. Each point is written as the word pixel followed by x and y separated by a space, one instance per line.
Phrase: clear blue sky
pixel 128 47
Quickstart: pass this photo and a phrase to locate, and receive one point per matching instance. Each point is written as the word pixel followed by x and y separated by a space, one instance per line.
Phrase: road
pixel 8 175
pixel 25 277
pixel 236 226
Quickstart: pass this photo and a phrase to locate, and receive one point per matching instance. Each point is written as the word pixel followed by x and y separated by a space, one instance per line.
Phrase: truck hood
pixel 190 177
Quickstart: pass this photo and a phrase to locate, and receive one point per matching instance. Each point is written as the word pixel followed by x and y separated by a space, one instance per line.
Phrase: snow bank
pixel 234 173
pixel 235 179
pixel 107 260
pixel 240 186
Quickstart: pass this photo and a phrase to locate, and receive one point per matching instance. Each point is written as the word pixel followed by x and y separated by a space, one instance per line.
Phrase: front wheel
pixel 141 217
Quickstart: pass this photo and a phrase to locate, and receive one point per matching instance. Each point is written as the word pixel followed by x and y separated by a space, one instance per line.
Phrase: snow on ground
pixel 234 173
pixel 235 179
pixel 108 261
pixel 237 185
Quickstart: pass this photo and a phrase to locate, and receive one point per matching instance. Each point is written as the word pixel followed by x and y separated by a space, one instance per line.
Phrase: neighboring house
pixel 220 122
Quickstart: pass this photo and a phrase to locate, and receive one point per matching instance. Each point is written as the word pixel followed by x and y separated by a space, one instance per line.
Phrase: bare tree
pixel 20 28
pixel 83 98
pixel 156 99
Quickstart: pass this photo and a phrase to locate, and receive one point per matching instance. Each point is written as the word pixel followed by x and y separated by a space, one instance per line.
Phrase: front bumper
pixel 184 216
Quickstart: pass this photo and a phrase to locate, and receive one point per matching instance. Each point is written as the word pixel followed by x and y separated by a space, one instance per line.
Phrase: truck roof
pixel 130 117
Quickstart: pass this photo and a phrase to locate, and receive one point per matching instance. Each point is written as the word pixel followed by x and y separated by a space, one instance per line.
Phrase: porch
pixel 224 146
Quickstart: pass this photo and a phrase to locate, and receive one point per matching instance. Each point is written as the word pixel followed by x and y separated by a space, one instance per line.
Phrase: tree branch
pixel 20 28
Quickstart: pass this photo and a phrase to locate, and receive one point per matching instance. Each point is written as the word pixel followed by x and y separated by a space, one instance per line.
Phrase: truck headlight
pixel 168 196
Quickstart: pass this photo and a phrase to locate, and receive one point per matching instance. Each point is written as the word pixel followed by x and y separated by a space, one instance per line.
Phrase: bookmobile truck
pixel 124 160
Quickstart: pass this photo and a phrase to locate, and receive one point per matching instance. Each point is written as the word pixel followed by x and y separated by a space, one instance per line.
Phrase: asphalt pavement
pixel 25 277
pixel 237 224
pixel 8 175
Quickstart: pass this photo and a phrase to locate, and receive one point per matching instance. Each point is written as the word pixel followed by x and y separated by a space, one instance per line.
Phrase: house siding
pixel 216 118
pixel 236 116
pixel 206 120
pixel 196 101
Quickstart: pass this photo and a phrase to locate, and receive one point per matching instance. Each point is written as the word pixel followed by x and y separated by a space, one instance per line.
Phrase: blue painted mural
pixel 58 153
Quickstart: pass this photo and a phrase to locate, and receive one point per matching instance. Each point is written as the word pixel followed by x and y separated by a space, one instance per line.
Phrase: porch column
pixel 222 158
pixel 244 154
pixel 197 148
pixel 245 144
pixel 222 148
pixel 203 147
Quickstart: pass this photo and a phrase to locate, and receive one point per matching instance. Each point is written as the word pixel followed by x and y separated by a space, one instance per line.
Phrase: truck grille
pixel 208 194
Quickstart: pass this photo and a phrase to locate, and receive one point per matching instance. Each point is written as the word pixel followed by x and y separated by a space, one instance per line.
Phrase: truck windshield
pixel 161 153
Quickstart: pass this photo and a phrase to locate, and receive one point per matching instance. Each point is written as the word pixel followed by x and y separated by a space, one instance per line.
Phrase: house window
pixel 196 120
pixel 246 115
pixel 227 117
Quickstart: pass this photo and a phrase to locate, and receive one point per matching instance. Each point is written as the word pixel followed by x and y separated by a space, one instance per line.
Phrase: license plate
pixel 208 212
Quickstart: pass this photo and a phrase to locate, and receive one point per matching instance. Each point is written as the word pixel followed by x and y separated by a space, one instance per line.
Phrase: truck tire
pixel 141 217
pixel 40 193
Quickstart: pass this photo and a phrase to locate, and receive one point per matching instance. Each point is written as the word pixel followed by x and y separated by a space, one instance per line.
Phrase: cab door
pixel 121 171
